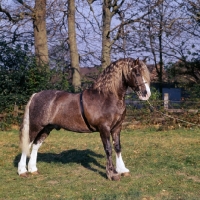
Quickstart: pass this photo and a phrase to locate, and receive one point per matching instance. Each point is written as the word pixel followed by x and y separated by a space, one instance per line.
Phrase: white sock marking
pixel 33 158
pixel 22 164
pixel 120 166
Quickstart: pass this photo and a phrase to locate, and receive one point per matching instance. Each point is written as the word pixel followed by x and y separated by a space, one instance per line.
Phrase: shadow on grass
pixel 82 157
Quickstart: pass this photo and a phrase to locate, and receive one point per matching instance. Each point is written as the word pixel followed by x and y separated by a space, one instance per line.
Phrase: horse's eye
pixel 137 74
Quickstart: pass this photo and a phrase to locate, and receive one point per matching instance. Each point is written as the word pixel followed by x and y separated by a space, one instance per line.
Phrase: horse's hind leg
pixel 33 158
pixel 22 171
pixel 32 168
pixel 43 134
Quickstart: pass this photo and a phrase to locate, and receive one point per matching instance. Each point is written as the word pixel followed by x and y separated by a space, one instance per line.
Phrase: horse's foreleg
pixel 33 158
pixel 120 166
pixel 110 169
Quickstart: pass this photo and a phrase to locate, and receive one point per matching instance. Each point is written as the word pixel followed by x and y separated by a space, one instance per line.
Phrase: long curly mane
pixel 111 78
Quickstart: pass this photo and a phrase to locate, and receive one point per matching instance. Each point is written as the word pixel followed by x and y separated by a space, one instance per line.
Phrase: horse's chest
pixel 120 107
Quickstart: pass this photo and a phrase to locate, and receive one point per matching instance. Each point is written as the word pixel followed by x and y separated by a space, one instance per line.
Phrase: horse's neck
pixel 114 84
pixel 121 90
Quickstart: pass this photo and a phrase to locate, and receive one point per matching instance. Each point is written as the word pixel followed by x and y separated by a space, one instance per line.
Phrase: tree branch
pixel 91 8
pixel 116 7
pixel 25 5
pixel 18 17
pixel 6 12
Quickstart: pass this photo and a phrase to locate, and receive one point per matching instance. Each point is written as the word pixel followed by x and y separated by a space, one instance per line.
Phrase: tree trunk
pixel 106 42
pixel 40 34
pixel 76 79
pixel 160 74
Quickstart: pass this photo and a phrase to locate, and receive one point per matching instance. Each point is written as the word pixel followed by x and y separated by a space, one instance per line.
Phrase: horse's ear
pixel 145 59
pixel 137 61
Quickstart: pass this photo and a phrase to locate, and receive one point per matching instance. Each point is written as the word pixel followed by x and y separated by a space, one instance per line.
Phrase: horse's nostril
pixel 144 93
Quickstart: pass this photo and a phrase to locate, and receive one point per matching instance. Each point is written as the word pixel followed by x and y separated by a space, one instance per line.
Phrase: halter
pixel 136 75
pixel 136 81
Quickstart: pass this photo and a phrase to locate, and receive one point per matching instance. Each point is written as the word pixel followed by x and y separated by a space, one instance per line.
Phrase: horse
pixel 100 108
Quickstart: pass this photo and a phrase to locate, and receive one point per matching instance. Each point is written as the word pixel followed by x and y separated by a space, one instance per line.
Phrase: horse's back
pixel 58 108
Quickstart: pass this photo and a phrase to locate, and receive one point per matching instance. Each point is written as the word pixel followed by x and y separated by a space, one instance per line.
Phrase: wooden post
pixel 16 109
pixel 166 101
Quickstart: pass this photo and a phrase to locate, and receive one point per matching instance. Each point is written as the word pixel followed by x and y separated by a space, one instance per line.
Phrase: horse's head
pixel 139 79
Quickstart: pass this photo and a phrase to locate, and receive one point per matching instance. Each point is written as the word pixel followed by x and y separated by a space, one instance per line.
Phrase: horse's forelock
pixel 145 72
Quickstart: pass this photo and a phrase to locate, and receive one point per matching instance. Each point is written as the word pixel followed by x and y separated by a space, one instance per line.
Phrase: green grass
pixel 163 165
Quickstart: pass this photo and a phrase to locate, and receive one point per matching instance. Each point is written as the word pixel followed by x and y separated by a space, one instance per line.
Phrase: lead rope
pixel 169 116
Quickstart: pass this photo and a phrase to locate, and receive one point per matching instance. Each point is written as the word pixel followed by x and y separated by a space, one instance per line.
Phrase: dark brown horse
pixel 100 108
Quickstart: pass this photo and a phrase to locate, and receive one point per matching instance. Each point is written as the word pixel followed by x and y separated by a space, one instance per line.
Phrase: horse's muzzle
pixel 145 94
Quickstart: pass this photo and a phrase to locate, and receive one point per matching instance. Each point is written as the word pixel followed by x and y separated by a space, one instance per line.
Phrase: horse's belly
pixel 71 122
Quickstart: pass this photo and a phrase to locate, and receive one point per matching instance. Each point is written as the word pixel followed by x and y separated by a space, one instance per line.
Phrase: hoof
pixel 116 177
pixel 35 173
pixel 125 174
pixel 24 175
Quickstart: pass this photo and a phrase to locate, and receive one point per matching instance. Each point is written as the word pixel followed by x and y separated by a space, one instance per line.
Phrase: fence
pixel 165 113
pixel 16 111
pixel 167 105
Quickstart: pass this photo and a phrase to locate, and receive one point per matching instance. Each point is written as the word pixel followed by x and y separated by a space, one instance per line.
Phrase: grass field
pixel 163 165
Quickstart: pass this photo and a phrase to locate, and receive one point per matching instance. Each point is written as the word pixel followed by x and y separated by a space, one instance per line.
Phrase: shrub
pixel 20 77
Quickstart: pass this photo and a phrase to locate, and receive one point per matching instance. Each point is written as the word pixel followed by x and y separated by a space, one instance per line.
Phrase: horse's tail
pixel 24 131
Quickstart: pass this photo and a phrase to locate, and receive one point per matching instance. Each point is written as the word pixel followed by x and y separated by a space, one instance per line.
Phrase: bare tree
pixel 118 11
pixel 109 9
pixel 40 35
pixel 108 29
pixel 37 15
pixel 161 35
pixel 76 80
